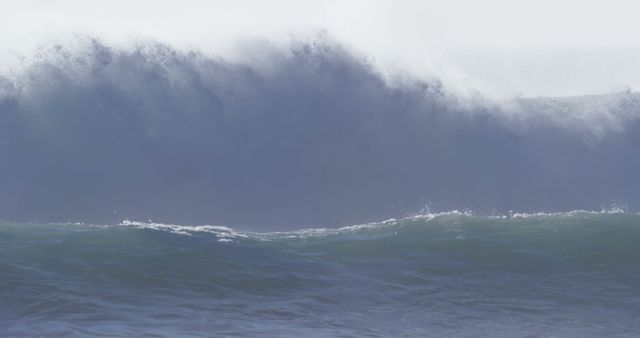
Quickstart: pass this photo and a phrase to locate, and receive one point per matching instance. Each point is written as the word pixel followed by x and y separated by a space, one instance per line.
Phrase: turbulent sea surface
pixel 298 135
pixel 574 274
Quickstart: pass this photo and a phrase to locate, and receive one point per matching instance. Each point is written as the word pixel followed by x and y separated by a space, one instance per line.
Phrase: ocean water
pixel 574 274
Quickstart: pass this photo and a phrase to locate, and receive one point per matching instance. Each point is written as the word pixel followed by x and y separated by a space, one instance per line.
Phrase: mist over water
pixel 309 134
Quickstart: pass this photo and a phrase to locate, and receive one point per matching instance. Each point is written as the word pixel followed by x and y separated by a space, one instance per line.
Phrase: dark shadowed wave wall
pixel 304 135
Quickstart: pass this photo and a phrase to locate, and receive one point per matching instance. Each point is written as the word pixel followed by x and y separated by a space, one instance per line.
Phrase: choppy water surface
pixel 571 274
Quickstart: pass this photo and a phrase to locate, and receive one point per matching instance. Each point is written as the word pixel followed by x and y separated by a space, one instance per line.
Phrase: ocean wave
pixel 308 133
pixel 571 274
pixel 227 234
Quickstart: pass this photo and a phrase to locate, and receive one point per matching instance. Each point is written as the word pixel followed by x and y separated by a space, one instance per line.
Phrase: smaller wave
pixel 565 274
pixel 228 234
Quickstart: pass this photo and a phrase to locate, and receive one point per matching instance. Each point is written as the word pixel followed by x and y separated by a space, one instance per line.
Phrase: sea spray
pixel 308 134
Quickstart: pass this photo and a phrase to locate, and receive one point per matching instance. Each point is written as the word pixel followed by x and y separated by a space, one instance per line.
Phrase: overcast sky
pixel 499 47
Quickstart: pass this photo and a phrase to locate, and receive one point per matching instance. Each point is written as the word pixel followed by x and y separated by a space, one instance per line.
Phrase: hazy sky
pixel 499 47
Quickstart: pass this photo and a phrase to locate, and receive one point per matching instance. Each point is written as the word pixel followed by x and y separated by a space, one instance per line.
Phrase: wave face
pixel 454 274
pixel 309 134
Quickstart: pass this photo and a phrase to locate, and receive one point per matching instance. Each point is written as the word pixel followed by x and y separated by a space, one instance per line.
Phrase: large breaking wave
pixel 309 134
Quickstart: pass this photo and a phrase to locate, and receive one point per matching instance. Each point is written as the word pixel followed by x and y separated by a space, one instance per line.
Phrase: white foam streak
pixel 223 233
